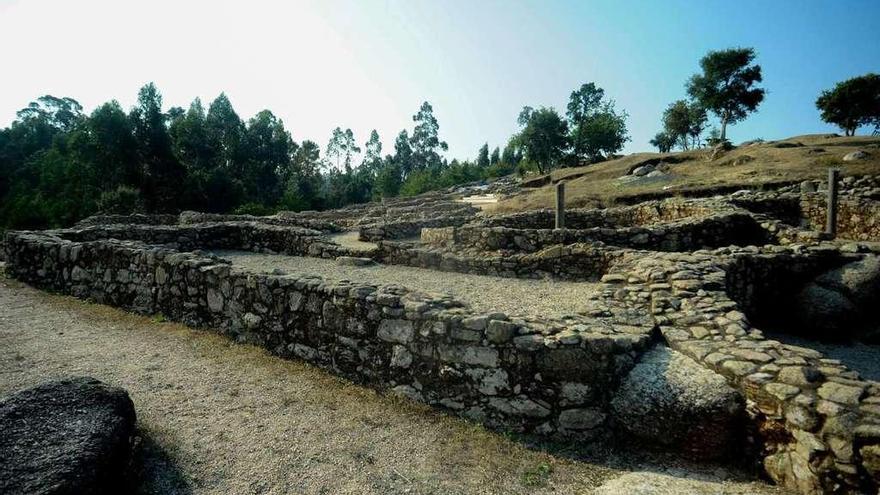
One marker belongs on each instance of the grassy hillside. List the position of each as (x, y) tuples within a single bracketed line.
[(749, 165)]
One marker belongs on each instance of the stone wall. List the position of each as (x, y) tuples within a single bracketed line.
[(407, 228), (135, 219), (815, 425), (643, 214), (574, 262), (286, 219), (685, 235), (250, 236), (858, 218), (548, 378)]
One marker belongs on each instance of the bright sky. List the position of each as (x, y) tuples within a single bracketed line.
[(368, 64)]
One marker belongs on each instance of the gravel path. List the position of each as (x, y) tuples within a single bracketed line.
[(516, 297), (220, 418)]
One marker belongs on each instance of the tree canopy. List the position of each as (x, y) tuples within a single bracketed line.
[(544, 137), (726, 85), (58, 165), (597, 128), (852, 103)]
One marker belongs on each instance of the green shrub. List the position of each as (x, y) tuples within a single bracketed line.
[(121, 201)]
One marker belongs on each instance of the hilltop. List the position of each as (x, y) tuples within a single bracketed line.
[(751, 165)]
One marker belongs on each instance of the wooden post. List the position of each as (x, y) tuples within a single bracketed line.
[(831, 220), (560, 205)]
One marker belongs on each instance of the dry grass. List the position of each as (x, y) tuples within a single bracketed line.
[(219, 418), (596, 185)]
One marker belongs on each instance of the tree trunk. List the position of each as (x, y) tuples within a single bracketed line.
[(724, 126)]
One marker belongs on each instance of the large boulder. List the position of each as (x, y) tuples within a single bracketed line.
[(840, 303), (859, 280), (65, 437), (671, 401), (856, 156), (824, 313)]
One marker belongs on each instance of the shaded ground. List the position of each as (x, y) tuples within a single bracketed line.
[(219, 418), (518, 297)]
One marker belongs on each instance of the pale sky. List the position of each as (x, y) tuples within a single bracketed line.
[(370, 63)]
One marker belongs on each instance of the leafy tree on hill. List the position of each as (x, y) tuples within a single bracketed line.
[(403, 154), (164, 175), (388, 180), (269, 151), (425, 140), (698, 121), (496, 156), (664, 141), (726, 85), (597, 129), (225, 133), (372, 154), (512, 153), (852, 103), (543, 137), (677, 122), (483, 156)]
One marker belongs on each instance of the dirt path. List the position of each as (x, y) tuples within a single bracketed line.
[(220, 418)]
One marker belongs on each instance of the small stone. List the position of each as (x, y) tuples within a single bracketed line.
[(739, 368), (799, 375), (354, 261), (781, 391), (475, 322), (500, 332), (398, 331), (841, 394), (252, 321), (401, 357), (581, 419)]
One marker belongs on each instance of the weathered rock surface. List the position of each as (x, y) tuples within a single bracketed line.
[(65, 437), (671, 400), (840, 303), (855, 156)]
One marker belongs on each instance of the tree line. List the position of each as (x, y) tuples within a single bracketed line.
[(58, 165)]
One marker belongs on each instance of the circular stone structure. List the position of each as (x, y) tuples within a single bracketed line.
[(65, 437)]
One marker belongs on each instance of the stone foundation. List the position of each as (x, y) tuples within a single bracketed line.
[(548, 378)]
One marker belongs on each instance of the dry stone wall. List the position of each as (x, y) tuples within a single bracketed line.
[(407, 228), (815, 423), (549, 378), (857, 218), (575, 262), (685, 235), (643, 214)]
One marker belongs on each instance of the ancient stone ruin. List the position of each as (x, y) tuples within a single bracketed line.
[(665, 349)]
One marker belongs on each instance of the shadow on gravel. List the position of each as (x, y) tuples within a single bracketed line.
[(153, 471)]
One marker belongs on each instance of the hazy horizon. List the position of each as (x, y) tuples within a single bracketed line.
[(365, 65)]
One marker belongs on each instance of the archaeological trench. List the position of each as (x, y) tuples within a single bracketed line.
[(640, 324)]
